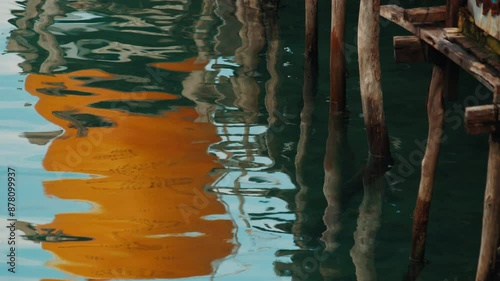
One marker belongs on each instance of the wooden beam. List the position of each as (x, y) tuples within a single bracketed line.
[(435, 36), (435, 111), (408, 49), (491, 213), (481, 119), (481, 114), (425, 14), (452, 7)]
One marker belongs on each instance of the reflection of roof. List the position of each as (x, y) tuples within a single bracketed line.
[(149, 203)]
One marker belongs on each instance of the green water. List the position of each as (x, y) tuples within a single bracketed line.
[(265, 216)]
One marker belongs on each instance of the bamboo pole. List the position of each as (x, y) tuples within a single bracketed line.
[(491, 213), (435, 111), (337, 57), (369, 70)]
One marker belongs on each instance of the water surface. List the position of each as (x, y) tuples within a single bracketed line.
[(162, 139)]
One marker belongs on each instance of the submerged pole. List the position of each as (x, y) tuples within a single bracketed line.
[(337, 58), (491, 214), (435, 112), (369, 71)]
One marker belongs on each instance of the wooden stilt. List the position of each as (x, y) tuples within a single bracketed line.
[(311, 52), (369, 70), (451, 69), (491, 213), (435, 111), (310, 63), (337, 58)]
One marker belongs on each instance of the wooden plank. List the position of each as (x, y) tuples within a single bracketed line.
[(478, 50), (464, 41), (425, 14), (408, 49), (434, 35)]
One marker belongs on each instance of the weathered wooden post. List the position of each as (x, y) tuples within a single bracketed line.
[(443, 84), (369, 71), (435, 113), (337, 58), (311, 53), (451, 69), (491, 213), (362, 252)]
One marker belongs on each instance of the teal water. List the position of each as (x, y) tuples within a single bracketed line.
[(221, 135)]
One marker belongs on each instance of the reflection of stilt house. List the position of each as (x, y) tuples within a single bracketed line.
[(148, 200), (79, 100)]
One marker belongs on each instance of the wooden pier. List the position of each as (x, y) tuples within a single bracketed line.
[(450, 37), (430, 35)]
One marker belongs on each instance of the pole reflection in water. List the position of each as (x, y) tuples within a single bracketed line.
[(368, 224), (224, 85)]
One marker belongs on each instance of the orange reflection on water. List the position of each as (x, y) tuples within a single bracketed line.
[(149, 210)]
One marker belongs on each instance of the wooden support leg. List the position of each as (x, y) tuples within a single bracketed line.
[(451, 69), (435, 111), (311, 30), (337, 58), (369, 70), (491, 213)]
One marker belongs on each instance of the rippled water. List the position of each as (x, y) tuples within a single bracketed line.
[(159, 139)]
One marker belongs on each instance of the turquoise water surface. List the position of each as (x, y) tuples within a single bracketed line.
[(162, 139)]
